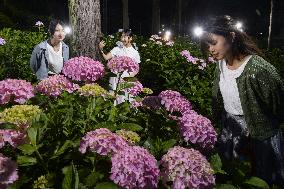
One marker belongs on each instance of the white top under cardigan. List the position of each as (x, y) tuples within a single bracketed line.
[(55, 60), (229, 88)]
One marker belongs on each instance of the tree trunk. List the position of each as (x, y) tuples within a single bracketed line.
[(156, 16), (85, 18), (125, 14), (179, 16), (270, 24)]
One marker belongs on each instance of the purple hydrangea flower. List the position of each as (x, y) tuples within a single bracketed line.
[(8, 171), (186, 168), (15, 90), (123, 63), (198, 130), (134, 168), (103, 142), (2, 41), (136, 89), (39, 24), (12, 137), (189, 58), (153, 102), (174, 102), (83, 69)]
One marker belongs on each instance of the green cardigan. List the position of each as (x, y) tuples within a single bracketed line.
[(261, 92)]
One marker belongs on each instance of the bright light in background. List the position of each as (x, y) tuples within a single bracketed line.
[(167, 35), (239, 26), (67, 30), (198, 31)]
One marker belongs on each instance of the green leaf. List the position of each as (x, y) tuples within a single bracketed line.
[(27, 149), (216, 164), (26, 160), (93, 178), (225, 186), (130, 79), (32, 133), (122, 86), (257, 183), (67, 181), (130, 126), (168, 144), (8, 126), (68, 144), (106, 185)]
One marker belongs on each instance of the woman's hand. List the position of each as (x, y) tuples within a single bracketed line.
[(102, 44)]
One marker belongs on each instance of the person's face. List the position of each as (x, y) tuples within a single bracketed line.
[(59, 33), (218, 47), (125, 39)]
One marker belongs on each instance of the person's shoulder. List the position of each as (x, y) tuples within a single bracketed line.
[(260, 66), (64, 45)]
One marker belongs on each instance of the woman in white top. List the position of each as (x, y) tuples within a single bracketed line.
[(124, 48), (48, 56)]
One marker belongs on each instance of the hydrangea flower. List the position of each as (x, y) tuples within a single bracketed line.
[(198, 130), (134, 168), (12, 137), (211, 59), (159, 43), (2, 41), (54, 85), (174, 102), (8, 171), (136, 104), (189, 58), (102, 141), (186, 168), (39, 24), (153, 102), (129, 136), (136, 89), (92, 89), (15, 90), (83, 69), (123, 63), (21, 115), (170, 43)]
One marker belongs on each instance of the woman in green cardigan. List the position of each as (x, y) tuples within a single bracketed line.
[(248, 99)]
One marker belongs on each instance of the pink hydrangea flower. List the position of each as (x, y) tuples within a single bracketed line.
[(136, 89), (8, 171), (39, 24), (189, 58), (170, 43), (15, 90), (211, 59), (135, 104), (12, 137), (103, 142), (2, 41), (123, 63), (198, 130), (174, 101), (186, 168), (54, 85), (134, 168), (83, 69)]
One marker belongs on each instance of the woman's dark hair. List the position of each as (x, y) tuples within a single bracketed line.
[(241, 43), (128, 32), (52, 25)]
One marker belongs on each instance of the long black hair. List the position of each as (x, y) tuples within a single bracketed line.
[(241, 43)]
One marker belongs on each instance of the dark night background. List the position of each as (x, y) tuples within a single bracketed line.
[(254, 14)]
